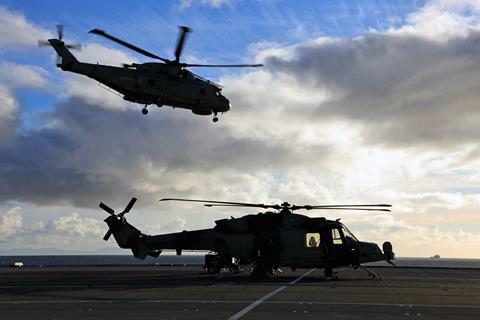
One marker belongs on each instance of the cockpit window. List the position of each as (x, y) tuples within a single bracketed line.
[(312, 240), (347, 233), (336, 237)]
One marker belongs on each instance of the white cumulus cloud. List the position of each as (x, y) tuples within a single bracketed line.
[(11, 222)]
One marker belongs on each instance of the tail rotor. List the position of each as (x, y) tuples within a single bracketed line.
[(58, 42), (113, 218)]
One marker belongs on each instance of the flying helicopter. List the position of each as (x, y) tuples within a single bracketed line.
[(162, 83), (262, 242)]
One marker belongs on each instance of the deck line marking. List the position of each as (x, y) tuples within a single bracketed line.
[(251, 306), (333, 303)]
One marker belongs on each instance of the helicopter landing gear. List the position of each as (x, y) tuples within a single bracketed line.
[(213, 264), (145, 110), (329, 274), (260, 270), (215, 118), (373, 275)]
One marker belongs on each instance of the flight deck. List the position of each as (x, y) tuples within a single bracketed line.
[(160, 292)]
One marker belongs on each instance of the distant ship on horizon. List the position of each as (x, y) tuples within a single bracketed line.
[(437, 256)]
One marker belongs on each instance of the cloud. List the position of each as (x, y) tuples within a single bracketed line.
[(391, 87), (418, 240), (440, 20), (21, 33), (90, 153), (8, 108), (68, 231), (15, 75), (76, 225), (10, 223), (212, 3)]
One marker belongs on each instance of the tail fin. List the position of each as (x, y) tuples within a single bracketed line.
[(126, 235), (67, 58)]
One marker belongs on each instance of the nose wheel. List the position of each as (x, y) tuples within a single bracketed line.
[(145, 110), (215, 118)]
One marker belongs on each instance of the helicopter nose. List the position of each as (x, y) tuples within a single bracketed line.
[(369, 252)]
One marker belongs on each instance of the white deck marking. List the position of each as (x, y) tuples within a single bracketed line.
[(326, 303), (251, 306)]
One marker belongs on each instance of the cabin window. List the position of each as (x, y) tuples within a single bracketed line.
[(312, 240), (202, 91), (336, 237)]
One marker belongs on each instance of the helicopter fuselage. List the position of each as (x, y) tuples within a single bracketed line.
[(275, 239), (158, 84)]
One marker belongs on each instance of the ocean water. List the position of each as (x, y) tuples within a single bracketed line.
[(197, 260), (99, 260)]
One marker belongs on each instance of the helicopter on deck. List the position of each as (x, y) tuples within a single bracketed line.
[(261, 242), (159, 83)]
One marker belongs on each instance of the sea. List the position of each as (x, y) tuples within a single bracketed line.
[(197, 260)]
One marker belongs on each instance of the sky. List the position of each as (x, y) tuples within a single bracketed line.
[(358, 102)]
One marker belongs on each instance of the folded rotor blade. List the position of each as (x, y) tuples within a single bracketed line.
[(128, 207), (180, 42), (106, 208), (222, 65), (128, 45), (107, 235)]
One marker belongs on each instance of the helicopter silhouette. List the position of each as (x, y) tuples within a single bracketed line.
[(262, 242), (162, 83)]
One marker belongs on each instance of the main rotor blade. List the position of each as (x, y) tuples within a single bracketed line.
[(344, 206), (60, 31), (308, 207), (43, 43), (264, 206), (128, 45), (222, 65), (260, 205), (74, 46), (180, 42), (106, 208), (339, 208), (293, 208)]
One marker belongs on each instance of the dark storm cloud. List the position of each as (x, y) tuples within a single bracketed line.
[(87, 154), (406, 90)]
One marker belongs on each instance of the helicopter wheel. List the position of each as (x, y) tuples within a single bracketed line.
[(145, 110), (214, 269), (215, 118), (328, 272)]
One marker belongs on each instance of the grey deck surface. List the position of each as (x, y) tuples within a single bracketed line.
[(189, 293)]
